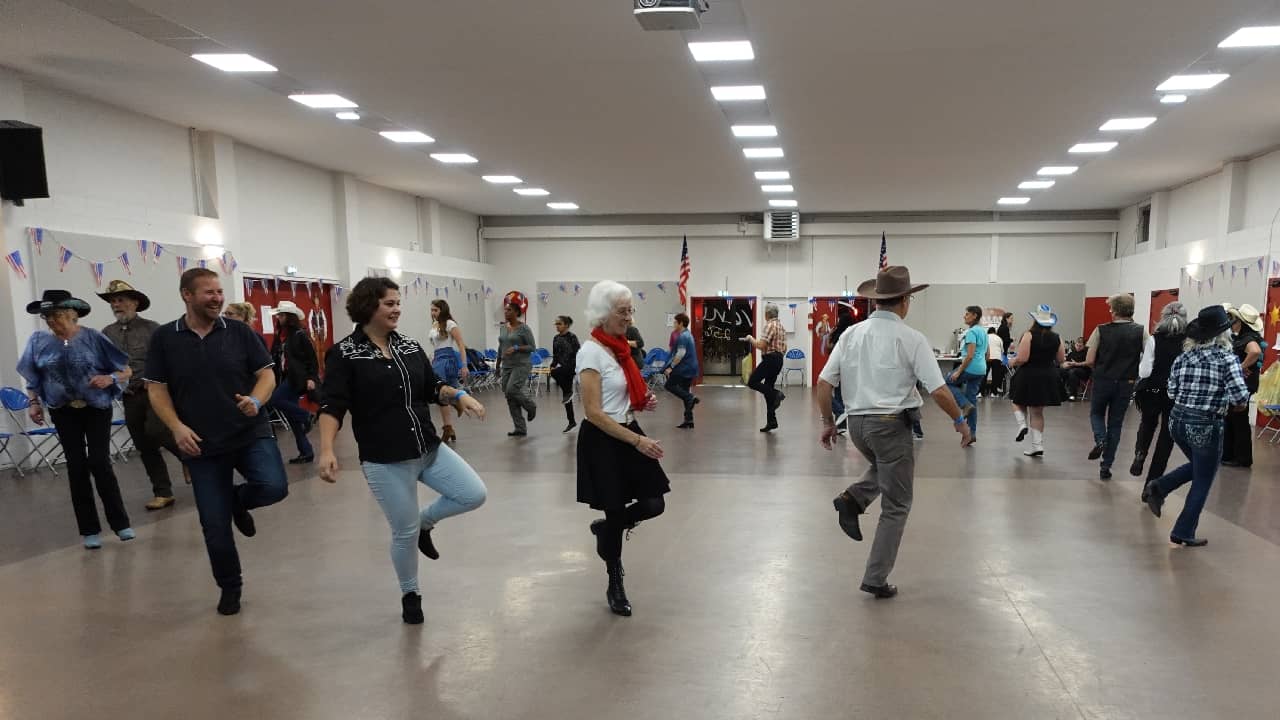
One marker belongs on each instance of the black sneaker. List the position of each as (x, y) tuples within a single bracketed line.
[(411, 609), (302, 460), (425, 546), (1096, 452), (1104, 473), (229, 603), (243, 520)]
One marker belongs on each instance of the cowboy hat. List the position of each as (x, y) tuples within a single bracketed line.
[(1210, 323), (120, 287), (58, 300), (1248, 316), (288, 306), (891, 282), (1044, 316)]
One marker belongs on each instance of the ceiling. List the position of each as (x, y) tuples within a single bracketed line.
[(911, 105)]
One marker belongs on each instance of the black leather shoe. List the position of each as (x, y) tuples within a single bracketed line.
[(884, 592), (533, 412), (687, 425), (1022, 434), (1104, 473), (616, 594), (243, 520), (848, 509), (425, 546), (770, 426), (781, 396), (1153, 499), (697, 400), (517, 433), (1096, 452), (570, 426), (411, 609), (1188, 542), (1136, 468), (302, 460), (229, 603)]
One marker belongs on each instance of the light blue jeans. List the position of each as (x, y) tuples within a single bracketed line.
[(395, 487)]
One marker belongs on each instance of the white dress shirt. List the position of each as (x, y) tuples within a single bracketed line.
[(877, 364)]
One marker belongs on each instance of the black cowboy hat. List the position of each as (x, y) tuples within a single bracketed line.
[(120, 287), (1210, 323), (58, 300)]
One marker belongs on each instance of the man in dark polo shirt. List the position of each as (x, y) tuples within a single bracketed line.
[(1115, 350), (208, 380)]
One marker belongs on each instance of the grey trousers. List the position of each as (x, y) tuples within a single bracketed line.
[(515, 384), (886, 443)]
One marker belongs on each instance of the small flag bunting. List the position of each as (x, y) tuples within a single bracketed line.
[(64, 257), (15, 261), (143, 246), (124, 262), (182, 263)]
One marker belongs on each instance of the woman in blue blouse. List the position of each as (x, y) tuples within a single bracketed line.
[(77, 373)]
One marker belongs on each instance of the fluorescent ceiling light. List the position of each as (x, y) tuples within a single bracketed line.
[(531, 191), (1089, 148), (773, 175), (783, 203), (762, 152), (1057, 170), (1174, 99), (1013, 201), (754, 131), (562, 205), (348, 116), (722, 51), (1253, 37), (1134, 123), (1035, 184), (322, 100), (1192, 82), (502, 179), (454, 158), (734, 93), (776, 188), (407, 136), (234, 62)]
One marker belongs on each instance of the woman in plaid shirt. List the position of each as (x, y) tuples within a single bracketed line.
[(1204, 384)]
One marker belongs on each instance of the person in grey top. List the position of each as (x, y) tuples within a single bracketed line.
[(515, 346), (132, 334)]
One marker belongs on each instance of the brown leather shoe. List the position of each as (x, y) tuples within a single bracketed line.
[(159, 503)]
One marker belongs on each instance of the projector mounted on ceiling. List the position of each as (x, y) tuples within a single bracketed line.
[(669, 14)]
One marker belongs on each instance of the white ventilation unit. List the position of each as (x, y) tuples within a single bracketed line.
[(669, 14), (782, 226)]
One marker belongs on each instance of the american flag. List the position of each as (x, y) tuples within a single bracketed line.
[(884, 253), (683, 285)]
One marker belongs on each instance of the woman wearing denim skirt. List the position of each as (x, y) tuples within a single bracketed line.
[(448, 359), (386, 382), (1206, 381)]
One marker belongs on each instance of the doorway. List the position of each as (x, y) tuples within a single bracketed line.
[(822, 322), (719, 324), (1159, 299)]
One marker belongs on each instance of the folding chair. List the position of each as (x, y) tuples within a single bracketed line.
[(1273, 423), (120, 448), (16, 404), (793, 362), (652, 373), (4, 448)]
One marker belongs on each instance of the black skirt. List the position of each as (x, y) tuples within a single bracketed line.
[(1036, 386), (612, 473)]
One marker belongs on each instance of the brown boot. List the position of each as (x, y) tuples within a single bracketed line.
[(159, 503), (448, 435)]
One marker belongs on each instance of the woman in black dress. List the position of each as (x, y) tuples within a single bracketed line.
[(1035, 385)]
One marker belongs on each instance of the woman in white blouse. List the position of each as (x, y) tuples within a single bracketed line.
[(448, 359)]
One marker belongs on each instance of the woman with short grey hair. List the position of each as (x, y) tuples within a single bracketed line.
[(1152, 393), (618, 470)]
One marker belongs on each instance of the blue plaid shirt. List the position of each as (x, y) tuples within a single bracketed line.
[(1208, 379)]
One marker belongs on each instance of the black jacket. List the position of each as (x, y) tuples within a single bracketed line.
[(564, 352), (296, 361)]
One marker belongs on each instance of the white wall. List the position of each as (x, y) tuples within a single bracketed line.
[(387, 217), (1193, 211), (458, 237), (1262, 193), (287, 215)]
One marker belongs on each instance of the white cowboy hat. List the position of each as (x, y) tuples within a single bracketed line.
[(1248, 316), (1044, 316), (288, 306)]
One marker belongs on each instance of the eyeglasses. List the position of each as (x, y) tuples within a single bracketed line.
[(624, 312)]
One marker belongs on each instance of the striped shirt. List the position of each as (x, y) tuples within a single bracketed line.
[(774, 337), (1207, 378)]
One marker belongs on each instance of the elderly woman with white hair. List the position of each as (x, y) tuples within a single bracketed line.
[(618, 470), (1152, 392), (1204, 384), (773, 344)]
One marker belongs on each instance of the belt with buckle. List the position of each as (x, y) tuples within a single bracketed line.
[(78, 404)]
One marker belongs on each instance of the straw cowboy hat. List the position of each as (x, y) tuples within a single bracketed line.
[(122, 288), (1248, 316), (1044, 316), (892, 282), (288, 306), (58, 300)]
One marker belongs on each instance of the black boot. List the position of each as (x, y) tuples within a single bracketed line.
[(617, 594), (411, 609), (1136, 468), (596, 527)]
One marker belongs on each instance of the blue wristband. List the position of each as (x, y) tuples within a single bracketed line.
[(459, 395), (256, 405), (960, 420)]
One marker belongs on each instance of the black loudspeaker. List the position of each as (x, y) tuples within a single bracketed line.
[(22, 173)]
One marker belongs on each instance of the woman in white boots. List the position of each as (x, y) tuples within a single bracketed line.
[(1035, 385)]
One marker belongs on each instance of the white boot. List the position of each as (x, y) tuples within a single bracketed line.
[(1037, 444), (1021, 417)]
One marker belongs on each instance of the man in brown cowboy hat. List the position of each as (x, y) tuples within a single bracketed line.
[(132, 334), (877, 364)]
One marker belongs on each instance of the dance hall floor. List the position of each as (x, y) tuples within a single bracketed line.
[(1029, 590)]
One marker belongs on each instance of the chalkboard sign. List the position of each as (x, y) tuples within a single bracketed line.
[(724, 324)]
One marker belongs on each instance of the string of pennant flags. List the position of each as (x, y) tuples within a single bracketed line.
[(148, 252), (1235, 271)]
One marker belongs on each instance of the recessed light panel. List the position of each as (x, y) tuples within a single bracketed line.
[(234, 62), (1253, 37), (1173, 99), (533, 192), (562, 206), (1134, 123), (1092, 148), (407, 136), (1191, 82), (737, 93), (776, 188), (773, 175), (1013, 201), (1057, 170), (762, 152), (454, 158), (347, 116), (322, 100), (1035, 185), (722, 51), (754, 131), (783, 203), (502, 179)]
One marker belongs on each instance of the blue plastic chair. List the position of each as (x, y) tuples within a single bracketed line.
[(4, 448), (793, 362), (15, 401)]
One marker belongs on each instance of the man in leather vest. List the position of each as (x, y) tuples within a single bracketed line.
[(1115, 350)]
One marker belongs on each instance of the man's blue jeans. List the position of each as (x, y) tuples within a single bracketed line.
[(1107, 407), (1199, 435), (218, 498), (965, 391)]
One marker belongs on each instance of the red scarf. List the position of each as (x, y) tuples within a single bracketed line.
[(636, 386)]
